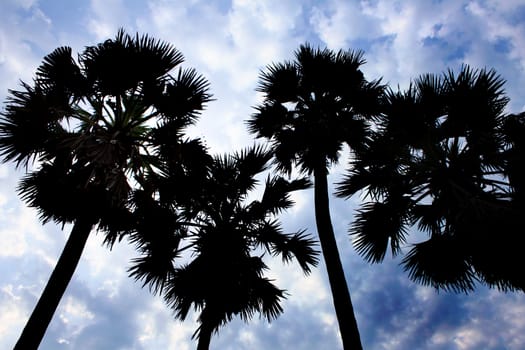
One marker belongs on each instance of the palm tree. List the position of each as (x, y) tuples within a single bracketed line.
[(93, 130), (312, 107), (444, 158), (227, 236)]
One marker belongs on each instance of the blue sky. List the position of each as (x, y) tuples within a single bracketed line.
[(230, 42)]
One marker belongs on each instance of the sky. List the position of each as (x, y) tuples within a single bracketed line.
[(229, 42)]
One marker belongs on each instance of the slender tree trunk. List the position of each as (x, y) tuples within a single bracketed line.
[(340, 294), (39, 320), (205, 332)]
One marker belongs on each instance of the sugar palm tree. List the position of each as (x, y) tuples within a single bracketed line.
[(312, 107), (95, 129), (441, 160), (227, 235)]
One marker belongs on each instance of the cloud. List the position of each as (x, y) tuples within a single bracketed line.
[(229, 46), (340, 22), (405, 39), (106, 17), (11, 315), (24, 33), (229, 42)]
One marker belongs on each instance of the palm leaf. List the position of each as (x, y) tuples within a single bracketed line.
[(376, 225), (280, 82), (117, 65), (30, 125), (269, 120), (441, 263), (301, 246), (185, 97), (276, 196), (60, 73)]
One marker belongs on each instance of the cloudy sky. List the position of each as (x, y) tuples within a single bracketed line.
[(230, 42)]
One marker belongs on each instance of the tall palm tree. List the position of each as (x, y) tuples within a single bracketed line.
[(225, 236), (312, 107), (95, 129), (444, 159)]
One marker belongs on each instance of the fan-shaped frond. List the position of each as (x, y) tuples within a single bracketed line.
[(60, 73), (442, 263), (269, 120), (119, 64), (30, 124), (250, 162), (376, 225), (301, 246), (185, 97), (276, 196), (280, 82), (154, 57), (63, 196)]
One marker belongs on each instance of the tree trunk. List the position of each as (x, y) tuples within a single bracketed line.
[(39, 320), (341, 297), (205, 331)]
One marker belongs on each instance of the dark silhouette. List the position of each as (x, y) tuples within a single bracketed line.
[(446, 159), (312, 107), (217, 233), (97, 128)]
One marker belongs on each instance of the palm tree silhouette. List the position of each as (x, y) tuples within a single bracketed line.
[(312, 107), (227, 235), (444, 159), (96, 129)]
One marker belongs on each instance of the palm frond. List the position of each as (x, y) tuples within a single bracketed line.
[(116, 223), (376, 225), (269, 119), (429, 217), (482, 90), (268, 233), (302, 247), (184, 289), (251, 161), (60, 73), (354, 180), (119, 64), (269, 299), (109, 66), (287, 149), (276, 196), (157, 235), (280, 82), (30, 124), (62, 196), (155, 58), (441, 263), (153, 269), (185, 97)]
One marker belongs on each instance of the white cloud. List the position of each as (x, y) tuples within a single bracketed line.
[(405, 39), (75, 315), (339, 22), (25, 36), (11, 314), (106, 17), (229, 46), (25, 4), (19, 228), (229, 42)]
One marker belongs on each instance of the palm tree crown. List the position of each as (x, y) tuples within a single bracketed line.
[(440, 160), (313, 106), (101, 123), (223, 229)]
